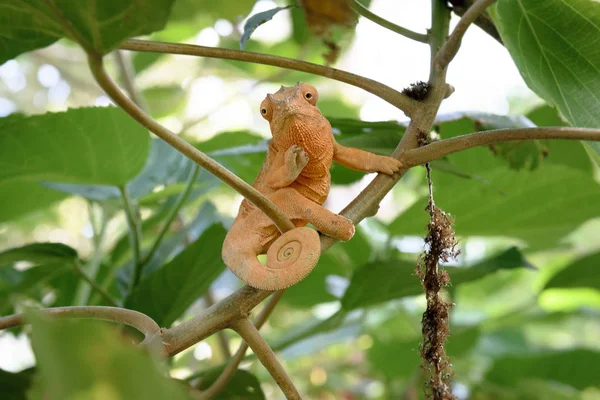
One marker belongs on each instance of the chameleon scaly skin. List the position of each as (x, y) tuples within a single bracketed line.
[(295, 176)]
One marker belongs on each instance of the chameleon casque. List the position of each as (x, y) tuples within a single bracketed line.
[(295, 177)]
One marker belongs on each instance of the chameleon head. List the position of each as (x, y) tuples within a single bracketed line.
[(294, 102)]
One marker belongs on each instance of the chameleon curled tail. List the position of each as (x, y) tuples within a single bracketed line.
[(289, 259)]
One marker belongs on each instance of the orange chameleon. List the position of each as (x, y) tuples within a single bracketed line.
[(295, 177)]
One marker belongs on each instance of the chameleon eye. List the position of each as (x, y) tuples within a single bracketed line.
[(308, 96), (264, 111)]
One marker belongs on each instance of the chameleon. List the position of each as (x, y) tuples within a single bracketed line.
[(295, 177)]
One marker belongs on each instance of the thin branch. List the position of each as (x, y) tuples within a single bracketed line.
[(386, 93), (173, 213), (440, 24), (450, 48), (280, 220), (135, 319), (127, 74), (365, 12), (234, 363), (79, 271), (444, 147), (484, 21), (250, 334), (134, 239)]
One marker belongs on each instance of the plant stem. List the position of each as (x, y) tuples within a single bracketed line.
[(234, 363), (134, 239), (173, 213), (250, 334), (280, 220), (221, 338), (128, 78), (135, 319), (440, 24), (386, 93), (445, 147), (93, 284), (365, 12), (82, 295)]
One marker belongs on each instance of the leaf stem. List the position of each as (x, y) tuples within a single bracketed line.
[(386, 93), (365, 12), (281, 221), (79, 271), (173, 213), (250, 334), (134, 239), (128, 79)]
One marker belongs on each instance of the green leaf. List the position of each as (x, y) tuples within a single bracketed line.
[(539, 207), (242, 385), (175, 286), (85, 145), (582, 273), (257, 20), (572, 367), (377, 282), (14, 386), (100, 26), (39, 253), (552, 44), (97, 363), (21, 196), (396, 359)]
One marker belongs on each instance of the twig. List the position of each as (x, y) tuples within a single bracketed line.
[(282, 222), (134, 239), (79, 271), (135, 319), (440, 24), (128, 78), (386, 93), (234, 363), (450, 48), (173, 214), (444, 147), (484, 21), (365, 12), (250, 334)]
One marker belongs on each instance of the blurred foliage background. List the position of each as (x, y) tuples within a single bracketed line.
[(526, 321)]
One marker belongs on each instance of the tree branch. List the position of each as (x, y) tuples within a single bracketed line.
[(484, 21), (234, 363), (450, 48), (386, 93), (365, 12), (280, 220), (444, 147), (250, 334), (137, 320)]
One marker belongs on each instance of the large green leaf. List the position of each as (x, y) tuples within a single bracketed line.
[(39, 253), (573, 367), (539, 207), (21, 196), (166, 293), (242, 385), (27, 25), (377, 282), (584, 272), (85, 145), (554, 44), (84, 360)]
